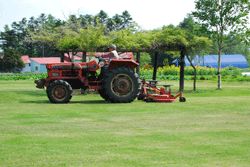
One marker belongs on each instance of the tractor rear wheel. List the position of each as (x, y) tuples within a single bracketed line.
[(59, 91), (121, 85)]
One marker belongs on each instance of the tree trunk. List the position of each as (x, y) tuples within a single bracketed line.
[(138, 59), (62, 57), (84, 56), (220, 46), (43, 50), (195, 79), (155, 65), (219, 69), (195, 73), (182, 64)]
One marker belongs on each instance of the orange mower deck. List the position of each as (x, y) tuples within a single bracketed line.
[(150, 93)]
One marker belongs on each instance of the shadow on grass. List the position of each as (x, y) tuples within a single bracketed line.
[(31, 93), (90, 102), (35, 101), (71, 102)]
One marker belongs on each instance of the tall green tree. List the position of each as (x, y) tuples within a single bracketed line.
[(87, 39), (19, 35), (235, 45), (199, 43), (101, 17), (222, 17), (11, 61), (120, 22)]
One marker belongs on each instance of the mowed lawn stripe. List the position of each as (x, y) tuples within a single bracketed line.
[(211, 129)]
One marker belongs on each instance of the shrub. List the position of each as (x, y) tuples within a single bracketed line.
[(203, 73), (22, 76), (231, 71), (163, 73), (168, 70)]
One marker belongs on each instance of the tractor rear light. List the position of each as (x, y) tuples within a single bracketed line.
[(55, 74)]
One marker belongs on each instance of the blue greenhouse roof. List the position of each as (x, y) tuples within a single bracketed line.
[(235, 60)]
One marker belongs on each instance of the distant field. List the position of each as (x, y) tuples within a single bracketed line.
[(211, 129)]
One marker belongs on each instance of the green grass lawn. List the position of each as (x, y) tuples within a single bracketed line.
[(211, 129)]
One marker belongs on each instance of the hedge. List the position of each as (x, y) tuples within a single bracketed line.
[(163, 73)]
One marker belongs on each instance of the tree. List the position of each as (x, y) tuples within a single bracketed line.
[(69, 41), (102, 17), (199, 43), (235, 45), (11, 61), (197, 46), (42, 38), (87, 39), (45, 35), (145, 59), (19, 35), (193, 27), (120, 22), (92, 38), (73, 23), (124, 39), (222, 17)]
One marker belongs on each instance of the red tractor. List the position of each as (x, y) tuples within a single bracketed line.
[(114, 79)]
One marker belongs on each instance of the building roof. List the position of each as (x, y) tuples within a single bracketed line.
[(235, 60), (46, 60), (25, 59)]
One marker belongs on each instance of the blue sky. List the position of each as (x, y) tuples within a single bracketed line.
[(149, 14)]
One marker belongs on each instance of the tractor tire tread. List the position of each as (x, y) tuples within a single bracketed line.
[(107, 81), (63, 83)]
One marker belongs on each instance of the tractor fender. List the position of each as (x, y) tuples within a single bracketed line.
[(122, 62)]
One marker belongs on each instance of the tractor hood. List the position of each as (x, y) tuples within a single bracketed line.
[(64, 66)]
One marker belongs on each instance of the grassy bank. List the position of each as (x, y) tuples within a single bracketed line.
[(211, 129)]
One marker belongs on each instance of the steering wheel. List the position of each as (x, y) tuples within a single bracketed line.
[(101, 61)]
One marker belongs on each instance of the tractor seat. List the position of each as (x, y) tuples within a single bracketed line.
[(166, 86), (153, 83)]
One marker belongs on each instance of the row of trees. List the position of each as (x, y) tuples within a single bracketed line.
[(19, 35), (216, 26), (227, 22), (33, 36)]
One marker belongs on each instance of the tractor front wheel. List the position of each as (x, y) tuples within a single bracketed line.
[(103, 94), (59, 91)]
